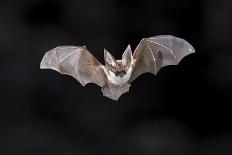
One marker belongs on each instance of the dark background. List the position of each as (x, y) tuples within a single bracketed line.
[(185, 109)]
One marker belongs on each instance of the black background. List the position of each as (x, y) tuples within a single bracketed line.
[(185, 109)]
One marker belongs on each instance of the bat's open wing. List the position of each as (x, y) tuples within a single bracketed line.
[(75, 61), (156, 52)]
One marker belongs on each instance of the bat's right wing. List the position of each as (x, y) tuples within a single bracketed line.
[(154, 53), (75, 61)]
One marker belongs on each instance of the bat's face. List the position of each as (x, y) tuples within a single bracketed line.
[(119, 70)]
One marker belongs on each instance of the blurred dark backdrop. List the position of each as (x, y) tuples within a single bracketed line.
[(185, 109)]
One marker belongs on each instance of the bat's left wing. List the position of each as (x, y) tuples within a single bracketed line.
[(154, 53), (75, 61)]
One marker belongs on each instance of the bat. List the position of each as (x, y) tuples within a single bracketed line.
[(116, 76)]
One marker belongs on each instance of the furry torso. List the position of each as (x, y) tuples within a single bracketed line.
[(116, 80), (116, 86)]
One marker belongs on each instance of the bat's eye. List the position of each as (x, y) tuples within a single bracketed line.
[(117, 73), (112, 68)]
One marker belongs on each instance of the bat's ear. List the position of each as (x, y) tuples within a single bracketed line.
[(127, 56), (109, 59)]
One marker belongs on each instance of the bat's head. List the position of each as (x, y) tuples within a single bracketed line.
[(119, 67)]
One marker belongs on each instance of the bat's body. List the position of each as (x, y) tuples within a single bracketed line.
[(116, 76), (116, 80)]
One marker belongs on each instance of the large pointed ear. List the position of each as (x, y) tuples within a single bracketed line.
[(109, 59), (127, 56)]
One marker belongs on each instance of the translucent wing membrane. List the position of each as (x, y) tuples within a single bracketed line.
[(75, 61), (156, 52)]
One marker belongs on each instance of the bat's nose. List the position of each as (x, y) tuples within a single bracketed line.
[(121, 75)]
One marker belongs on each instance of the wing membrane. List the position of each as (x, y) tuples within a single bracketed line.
[(75, 61), (154, 53)]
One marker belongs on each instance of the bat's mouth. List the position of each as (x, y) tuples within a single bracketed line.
[(120, 73)]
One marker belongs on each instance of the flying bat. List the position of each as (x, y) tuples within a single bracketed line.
[(116, 76)]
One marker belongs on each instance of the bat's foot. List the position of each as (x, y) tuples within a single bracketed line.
[(113, 91)]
